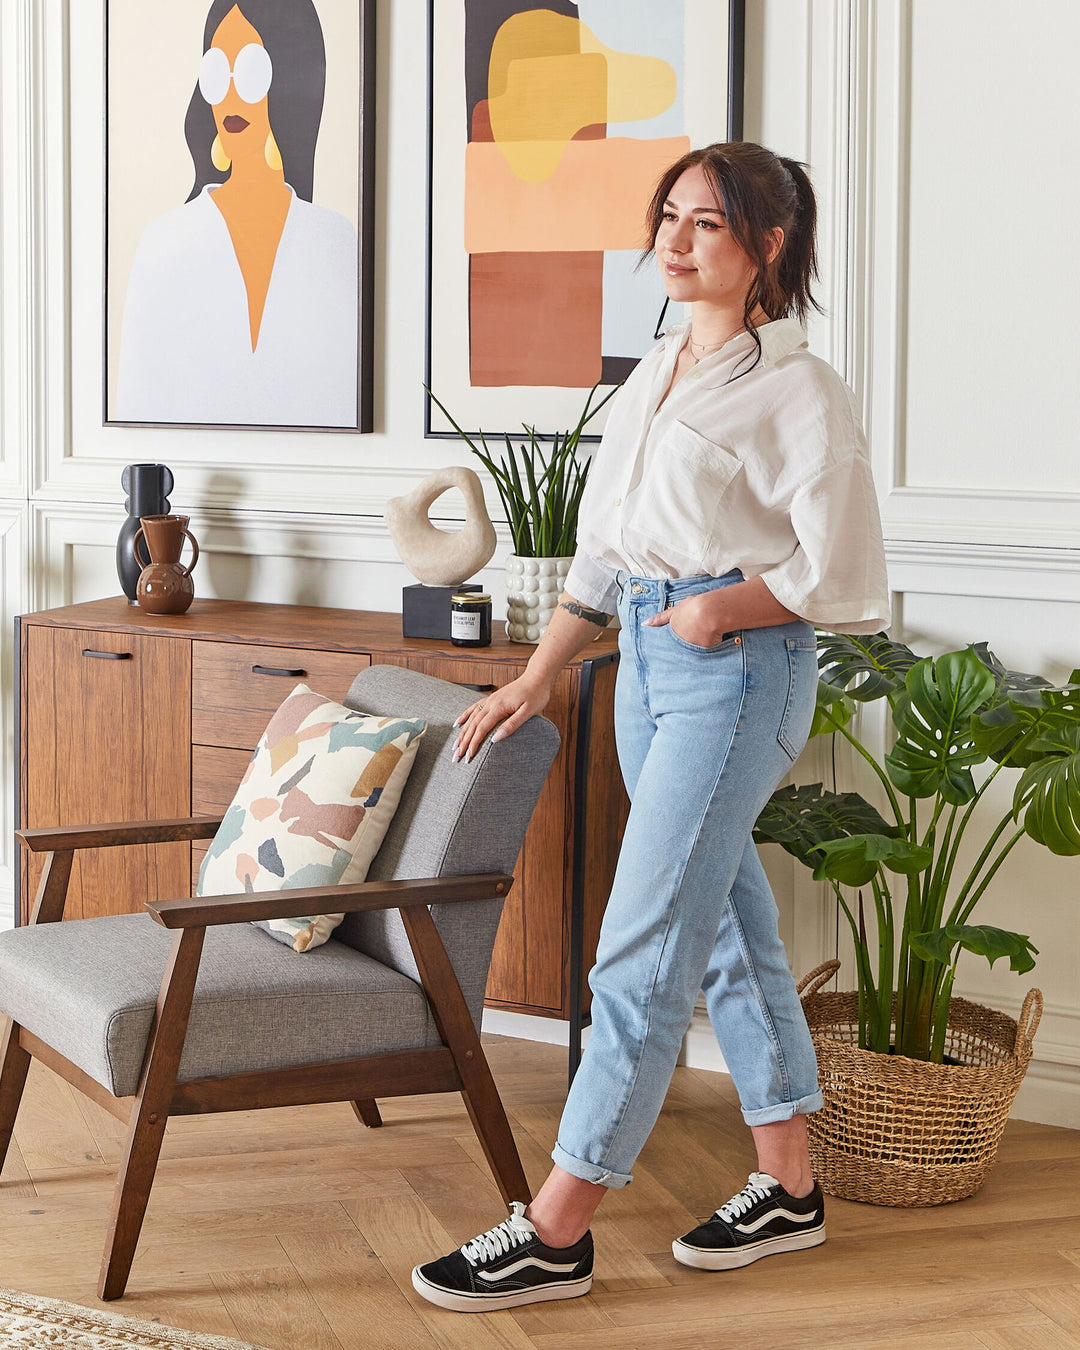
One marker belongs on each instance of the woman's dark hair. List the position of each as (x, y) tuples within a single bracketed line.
[(758, 191), (293, 37)]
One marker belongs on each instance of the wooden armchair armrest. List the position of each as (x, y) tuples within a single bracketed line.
[(205, 911), (61, 838)]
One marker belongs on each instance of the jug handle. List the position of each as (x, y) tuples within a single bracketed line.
[(194, 554), (135, 547)]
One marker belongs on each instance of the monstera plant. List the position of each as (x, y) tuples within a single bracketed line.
[(952, 714)]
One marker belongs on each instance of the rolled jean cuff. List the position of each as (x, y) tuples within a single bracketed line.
[(768, 1115), (587, 1171)]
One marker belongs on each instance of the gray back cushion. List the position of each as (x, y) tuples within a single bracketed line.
[(453, 820)]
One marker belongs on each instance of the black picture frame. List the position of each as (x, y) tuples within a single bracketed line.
[(734, 111)]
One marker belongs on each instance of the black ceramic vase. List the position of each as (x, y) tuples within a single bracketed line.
[(147, 487)]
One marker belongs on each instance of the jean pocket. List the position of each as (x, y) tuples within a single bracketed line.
[(801, 696), (732, 640)]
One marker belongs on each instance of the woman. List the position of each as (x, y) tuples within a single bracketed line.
[(241, 305), (731, 509)]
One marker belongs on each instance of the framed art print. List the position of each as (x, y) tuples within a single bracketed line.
[(238, 213), (549, 128)]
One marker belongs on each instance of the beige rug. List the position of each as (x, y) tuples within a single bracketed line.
[(28, 1320)]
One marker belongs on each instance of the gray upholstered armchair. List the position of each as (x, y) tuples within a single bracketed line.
[(190, 1009)]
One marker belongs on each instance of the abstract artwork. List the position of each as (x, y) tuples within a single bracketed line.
[(238, 213), (550, 126)]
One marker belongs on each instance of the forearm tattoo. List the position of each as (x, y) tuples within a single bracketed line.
[(593, 615)]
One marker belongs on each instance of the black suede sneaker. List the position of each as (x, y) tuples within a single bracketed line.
[(506, 1267), (760, 1221)]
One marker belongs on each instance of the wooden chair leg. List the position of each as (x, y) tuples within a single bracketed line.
[(367, 1111), (455, 1024), (129, 1200), (14, 1063), (150, 1112)]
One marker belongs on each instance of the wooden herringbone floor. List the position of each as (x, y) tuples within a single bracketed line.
[(297, 1229)]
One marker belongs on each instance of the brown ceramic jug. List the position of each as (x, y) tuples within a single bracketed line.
[(165, 585)]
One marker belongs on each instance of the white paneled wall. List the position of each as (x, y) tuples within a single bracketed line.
[(948, 279), (940, 138)]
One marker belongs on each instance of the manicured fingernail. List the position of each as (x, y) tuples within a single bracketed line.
[(468, 757), (456, 755), (499, 735)]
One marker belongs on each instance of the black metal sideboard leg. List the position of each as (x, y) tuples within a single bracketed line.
[(577, 869)]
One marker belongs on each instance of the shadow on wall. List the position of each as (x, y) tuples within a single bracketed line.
[(226, 571)]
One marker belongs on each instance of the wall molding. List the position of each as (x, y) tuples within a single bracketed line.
[(12, 592)]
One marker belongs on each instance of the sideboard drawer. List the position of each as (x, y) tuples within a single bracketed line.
[(236, 687)]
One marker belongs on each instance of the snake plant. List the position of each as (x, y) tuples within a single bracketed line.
[(951, 714), (540, 494)]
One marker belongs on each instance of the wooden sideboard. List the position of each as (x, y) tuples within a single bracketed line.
[(125, 715)]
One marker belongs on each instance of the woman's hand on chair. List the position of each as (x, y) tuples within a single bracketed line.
[(501, 712)]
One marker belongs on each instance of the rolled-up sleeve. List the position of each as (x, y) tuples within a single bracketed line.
[(836, 577), (593, 584)]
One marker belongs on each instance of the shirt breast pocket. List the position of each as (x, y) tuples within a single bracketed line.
[(680, 494)]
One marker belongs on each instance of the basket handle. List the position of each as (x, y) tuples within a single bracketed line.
[(1028, 1022), (819, 976)]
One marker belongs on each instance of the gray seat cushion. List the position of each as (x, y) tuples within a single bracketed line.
[(88, 989)]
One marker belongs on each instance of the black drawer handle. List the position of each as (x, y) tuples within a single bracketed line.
[(107, 656), (480, 688), (276, 670)]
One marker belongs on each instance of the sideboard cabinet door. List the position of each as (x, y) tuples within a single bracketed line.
[(107, 737)]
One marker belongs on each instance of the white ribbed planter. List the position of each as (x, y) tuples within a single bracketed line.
[(533, 587)]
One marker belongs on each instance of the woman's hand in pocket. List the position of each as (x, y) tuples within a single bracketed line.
[(696, 620)]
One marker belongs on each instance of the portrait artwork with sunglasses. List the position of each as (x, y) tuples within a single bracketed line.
[(237, 303)]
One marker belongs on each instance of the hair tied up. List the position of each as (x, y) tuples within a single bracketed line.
[(760, 192)]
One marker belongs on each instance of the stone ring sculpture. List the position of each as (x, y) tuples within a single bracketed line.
[(442, 557)]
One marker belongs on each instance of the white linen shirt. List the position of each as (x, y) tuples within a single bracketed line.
[(766, 472)]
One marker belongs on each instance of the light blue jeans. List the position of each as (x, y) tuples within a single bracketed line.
[(704, 735)]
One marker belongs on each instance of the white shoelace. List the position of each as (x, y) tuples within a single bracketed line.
[(512, 1232), (757, 1188)]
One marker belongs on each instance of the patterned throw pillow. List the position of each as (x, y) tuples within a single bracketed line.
[(312, 808)]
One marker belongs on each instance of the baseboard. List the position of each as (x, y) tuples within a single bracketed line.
[(1049, 1094), (699, 1047), (523, 1026)]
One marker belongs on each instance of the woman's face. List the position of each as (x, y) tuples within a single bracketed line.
[(697, 257), (236, 68)]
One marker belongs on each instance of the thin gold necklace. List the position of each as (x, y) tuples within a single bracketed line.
[(707, 347)]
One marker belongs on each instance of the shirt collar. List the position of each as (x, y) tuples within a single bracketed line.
[(779, 338)]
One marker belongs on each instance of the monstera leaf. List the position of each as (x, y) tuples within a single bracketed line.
[(1050, 787), (982, 939), (1007, 681), (935, 747), (854, 860), (800, 819), (1005, 730), (877, 662), (834, 709)]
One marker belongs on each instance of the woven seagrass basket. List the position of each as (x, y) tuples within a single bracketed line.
[(900, 1131)]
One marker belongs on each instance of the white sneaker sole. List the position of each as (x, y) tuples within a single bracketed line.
[(459, 1302), (737, 1257)]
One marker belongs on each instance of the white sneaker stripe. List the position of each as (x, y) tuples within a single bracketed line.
[(772, 1214), (524, 1264)]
